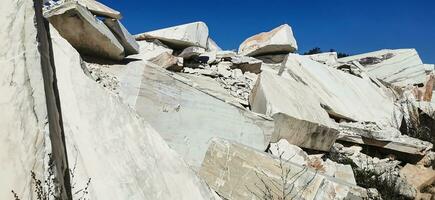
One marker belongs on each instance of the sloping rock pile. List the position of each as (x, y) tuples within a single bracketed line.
[(168, 114)]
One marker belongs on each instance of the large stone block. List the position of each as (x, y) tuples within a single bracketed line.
[(180, 37), (108, 142), (124, 37), (188, 112), (343, 96), (399, 67), (238, 172), (303, 133), (277, 41), (274, 94), (85, 32)]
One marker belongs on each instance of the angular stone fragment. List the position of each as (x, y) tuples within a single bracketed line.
[(418, 176), (342, 95), (247, 64), (31, 121), (328, 58), (212, 46), (188, 112), (124, 37), (303, 133), (151, 49), (180, 37), (100, 9), (85, 32), (273, 94), (278, 40), (383, 137), (121, 153), (238, 172), (283, 149), (399, 67), (169, 62), (190, 52)]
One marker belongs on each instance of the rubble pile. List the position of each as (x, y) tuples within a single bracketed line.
[(168, 114)]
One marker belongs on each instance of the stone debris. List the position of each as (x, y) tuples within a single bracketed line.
[(84, 31), (179, 37), (276, 41), (236, 171), (130, 45), (103, 78), (190, 52), (384, 172), (288, 152)]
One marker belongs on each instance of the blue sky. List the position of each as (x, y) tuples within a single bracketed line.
[(346, 25)]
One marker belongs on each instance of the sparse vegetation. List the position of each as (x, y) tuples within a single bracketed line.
[(50, 189), (284, 189), (317, 50)]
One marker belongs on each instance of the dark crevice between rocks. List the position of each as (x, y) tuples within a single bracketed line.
[(54, 112)]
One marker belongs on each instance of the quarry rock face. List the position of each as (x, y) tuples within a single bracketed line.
[(31, 123), (278, 40), (85, 32), (182, 36), (142, 166)]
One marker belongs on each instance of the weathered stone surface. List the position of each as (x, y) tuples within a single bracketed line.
[(100, 9), (150, 50), (303, 133), (425, 93), (190, 52), (273, 94), (187, 112), (286, 151), (247, 64), (121, 153), (328, 58), (278, 40), (169, 62), (180, 37), (236, 171), (85, 32), (383, 137), (212, 45), (31, 124), (399, 67), (343, 96), (418, 176), (124, 37)]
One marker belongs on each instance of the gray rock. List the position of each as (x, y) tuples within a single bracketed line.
[(247, 64), (100, 9), (190, 52), (169, 62)]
